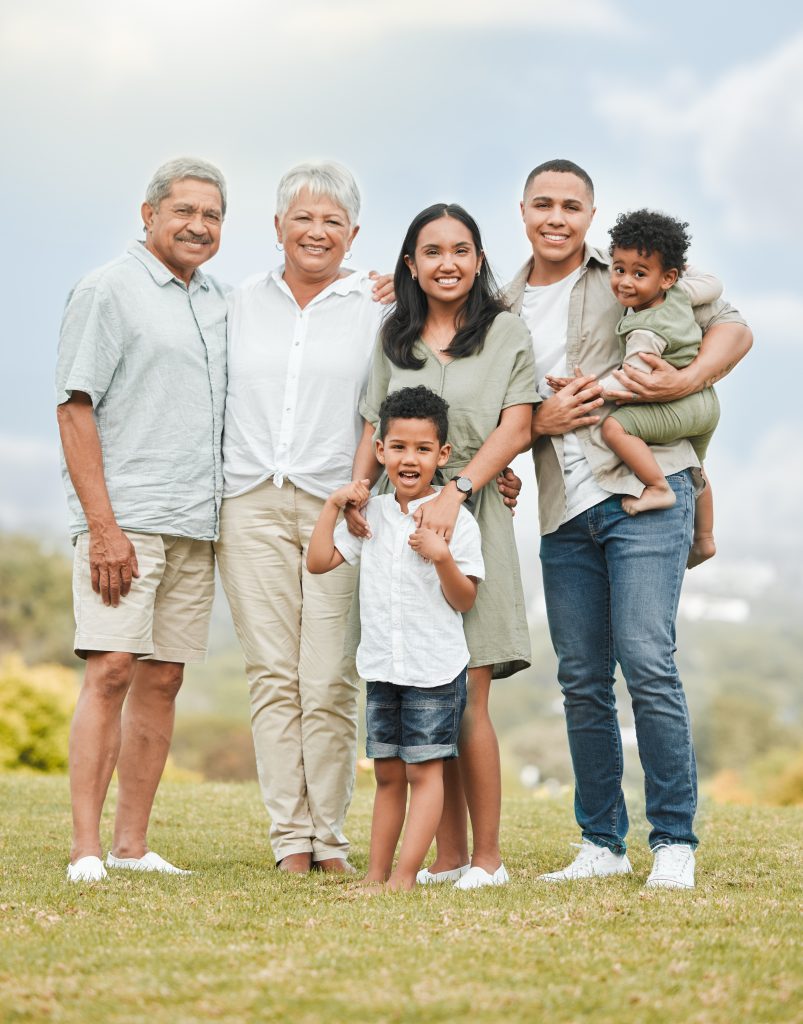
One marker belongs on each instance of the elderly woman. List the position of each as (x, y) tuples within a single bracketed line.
[(300, 341)]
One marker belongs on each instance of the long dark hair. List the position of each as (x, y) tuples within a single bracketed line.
[(404, 325)]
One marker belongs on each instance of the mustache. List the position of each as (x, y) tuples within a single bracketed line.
[(188, 236)]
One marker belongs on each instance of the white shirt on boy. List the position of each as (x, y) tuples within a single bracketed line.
[(411, 635)]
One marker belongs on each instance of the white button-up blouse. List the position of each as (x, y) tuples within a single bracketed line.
[(295, 381)]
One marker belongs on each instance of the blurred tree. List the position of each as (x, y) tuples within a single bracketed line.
[(35, 602)]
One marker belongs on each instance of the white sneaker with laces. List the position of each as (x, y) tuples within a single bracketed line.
[(591, 862), (150, 862), (478, 878), (672, 868), (86, 869), (427, 877)]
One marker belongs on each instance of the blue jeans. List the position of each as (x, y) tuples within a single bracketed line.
[(414, 723), (612, 584)]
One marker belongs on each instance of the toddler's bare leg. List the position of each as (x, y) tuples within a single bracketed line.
[(426, 807), (390, 803), (703, 546), (636, 454)]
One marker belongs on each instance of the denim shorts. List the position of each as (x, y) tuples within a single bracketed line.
[(415, 723)]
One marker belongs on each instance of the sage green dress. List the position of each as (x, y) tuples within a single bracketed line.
[(478, 388)]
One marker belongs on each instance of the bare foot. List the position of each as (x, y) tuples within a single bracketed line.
[(651, 497), (702, 548), (400, 884), (375, 884)]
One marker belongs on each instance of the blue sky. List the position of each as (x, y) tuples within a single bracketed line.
[(696, 109)]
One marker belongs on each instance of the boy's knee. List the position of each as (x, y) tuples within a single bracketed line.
[(389, 771), (423, 772)]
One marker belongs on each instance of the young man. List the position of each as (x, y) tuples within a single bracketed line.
[(413, 654), (611, 581)]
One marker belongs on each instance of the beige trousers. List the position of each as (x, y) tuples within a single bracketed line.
[(291, 626)]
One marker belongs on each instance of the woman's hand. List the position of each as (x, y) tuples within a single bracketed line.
[(440, 514), (509, 486), (352, 499), (383, 291)]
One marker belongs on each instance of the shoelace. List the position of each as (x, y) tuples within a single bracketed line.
[(587, 851), (670, 857)]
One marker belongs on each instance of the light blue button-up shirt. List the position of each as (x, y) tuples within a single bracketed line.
[(151, 354)]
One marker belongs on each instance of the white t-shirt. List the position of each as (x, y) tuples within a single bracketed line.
[(545, 310), (410, 634), (296, 377)]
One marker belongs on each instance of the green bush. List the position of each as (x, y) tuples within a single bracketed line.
[(36, 705)]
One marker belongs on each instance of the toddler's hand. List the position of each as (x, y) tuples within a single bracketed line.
[(430, 545)]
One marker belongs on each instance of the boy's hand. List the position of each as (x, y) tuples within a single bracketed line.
[(355, 494), (429, 544), (557, 383)]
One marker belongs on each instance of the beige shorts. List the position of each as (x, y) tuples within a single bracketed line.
[(165, 615)]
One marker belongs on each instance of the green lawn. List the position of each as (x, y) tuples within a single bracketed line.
[(239, 941)]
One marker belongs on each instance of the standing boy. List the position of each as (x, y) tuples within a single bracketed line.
[(414, 588)]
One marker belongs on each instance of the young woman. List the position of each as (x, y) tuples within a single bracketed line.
[(449, 332)]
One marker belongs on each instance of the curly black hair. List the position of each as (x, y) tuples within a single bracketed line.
[(648, 231), (415, 404)]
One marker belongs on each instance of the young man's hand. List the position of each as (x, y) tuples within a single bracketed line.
[(429, 545)]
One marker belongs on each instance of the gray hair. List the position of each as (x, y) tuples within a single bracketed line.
[(176, 170), (324, 178)]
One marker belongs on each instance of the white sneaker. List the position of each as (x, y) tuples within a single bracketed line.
[(427, 877), (591, 862), (150, 862), (477, 878), (86, 869), (672, 868)]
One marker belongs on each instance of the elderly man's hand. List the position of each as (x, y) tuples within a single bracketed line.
[(112, 563)]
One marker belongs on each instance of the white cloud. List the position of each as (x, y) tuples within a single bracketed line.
[(743, 136), (123, 42)]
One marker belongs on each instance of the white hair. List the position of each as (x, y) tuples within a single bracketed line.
[(177, 170), (324, 178)]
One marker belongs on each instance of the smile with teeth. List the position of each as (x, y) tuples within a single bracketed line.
[(554, 238), (409, 474), (447, 280), (315, 250)]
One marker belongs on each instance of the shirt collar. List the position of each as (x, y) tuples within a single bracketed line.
[(158, 271), (413, 505), (352, 282)]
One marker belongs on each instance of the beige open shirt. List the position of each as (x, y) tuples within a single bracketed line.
[(592, 344)]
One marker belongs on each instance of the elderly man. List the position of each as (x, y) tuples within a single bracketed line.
[(141, 382), (611, 580)]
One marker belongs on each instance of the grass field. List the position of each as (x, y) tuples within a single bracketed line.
[(239, 941)]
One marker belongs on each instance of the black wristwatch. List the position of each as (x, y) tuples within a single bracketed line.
[(464, 485)]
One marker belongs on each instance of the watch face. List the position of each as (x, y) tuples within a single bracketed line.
[(463, 484)]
